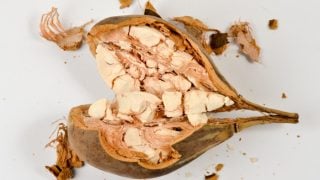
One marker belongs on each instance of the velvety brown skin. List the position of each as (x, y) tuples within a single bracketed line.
[(87, 144)]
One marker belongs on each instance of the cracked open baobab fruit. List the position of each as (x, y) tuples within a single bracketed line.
[(165, 85)]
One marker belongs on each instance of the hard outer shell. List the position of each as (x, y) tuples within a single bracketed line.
[(88, 145)]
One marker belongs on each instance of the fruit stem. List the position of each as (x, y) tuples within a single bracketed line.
[(252, 106), (243, 123)]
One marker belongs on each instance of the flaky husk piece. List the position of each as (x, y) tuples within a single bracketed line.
[(243, 37), (90, 145), (67, 159), (52, 30), (125, 3)]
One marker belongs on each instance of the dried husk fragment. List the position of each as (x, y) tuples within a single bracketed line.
[(212, 176), (219, 42), (243, 37), (90, 144), (219, 167), (52, 30), (67, 159), (273, 24), (284, 95), (150, 10), (125, 3)]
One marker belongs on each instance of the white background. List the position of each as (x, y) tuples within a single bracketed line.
[(37, 87)]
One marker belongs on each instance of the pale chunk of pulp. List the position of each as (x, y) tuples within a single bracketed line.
[(154, 83)]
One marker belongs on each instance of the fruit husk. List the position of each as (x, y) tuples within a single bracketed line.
[(219, 82), (89, 144)]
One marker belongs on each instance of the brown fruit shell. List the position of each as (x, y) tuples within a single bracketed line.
[(90, 145)]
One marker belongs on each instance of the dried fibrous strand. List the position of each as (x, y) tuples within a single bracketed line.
[(125, 3), (273, 24), (52, 30), (67, 159), (243, 37)]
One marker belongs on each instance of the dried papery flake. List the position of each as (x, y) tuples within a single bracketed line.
[(125, 3), (243, 37), (52, 30), (67, 159)]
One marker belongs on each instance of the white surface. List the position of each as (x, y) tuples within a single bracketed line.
[(37, 88)]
